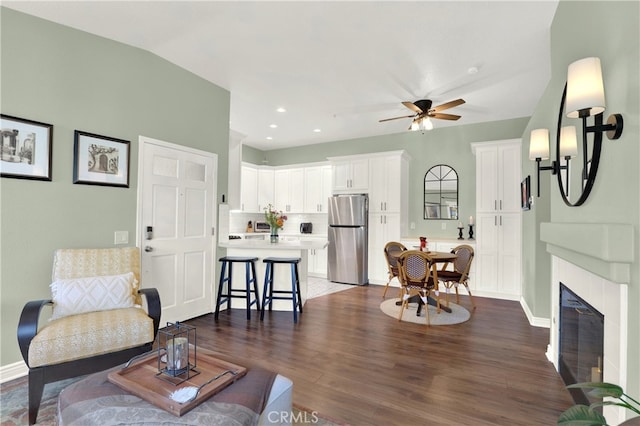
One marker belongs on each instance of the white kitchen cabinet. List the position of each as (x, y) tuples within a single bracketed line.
[(382, 229), (498, 228), (389, 182), (265, 187), (289, 190), (317, 183), (249, 189), (350, 174)]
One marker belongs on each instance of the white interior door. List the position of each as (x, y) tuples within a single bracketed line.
[(177, 191)]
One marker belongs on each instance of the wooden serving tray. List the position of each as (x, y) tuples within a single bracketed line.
[(141, 380)]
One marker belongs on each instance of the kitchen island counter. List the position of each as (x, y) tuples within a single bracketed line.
[(282, 273)]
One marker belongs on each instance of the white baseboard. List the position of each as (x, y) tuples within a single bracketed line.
[(13, 371), (534, 321)]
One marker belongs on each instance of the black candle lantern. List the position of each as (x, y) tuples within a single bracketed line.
[(177, 353)]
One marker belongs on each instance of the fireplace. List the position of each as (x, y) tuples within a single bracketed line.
[(581, 343)]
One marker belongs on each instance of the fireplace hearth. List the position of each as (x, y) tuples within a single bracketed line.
[(581, 346)]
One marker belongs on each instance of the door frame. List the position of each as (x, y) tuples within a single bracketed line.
[(144, 141)]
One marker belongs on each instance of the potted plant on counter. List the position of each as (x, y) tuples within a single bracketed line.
[(587, 415)]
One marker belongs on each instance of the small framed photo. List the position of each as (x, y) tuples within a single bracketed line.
[(25, 148), (525, 191), (100, 160)]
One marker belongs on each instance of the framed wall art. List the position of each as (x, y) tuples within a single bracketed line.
[(100, 160), (25, 148), (525, 191)]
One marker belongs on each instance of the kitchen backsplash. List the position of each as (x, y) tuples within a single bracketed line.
[(238, 222)]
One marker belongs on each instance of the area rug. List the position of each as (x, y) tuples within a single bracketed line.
[(14, 406), (458, 313)]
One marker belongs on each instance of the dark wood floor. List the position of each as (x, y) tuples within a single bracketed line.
[(350, 361)]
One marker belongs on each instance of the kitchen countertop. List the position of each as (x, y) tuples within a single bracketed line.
[(281, 245)]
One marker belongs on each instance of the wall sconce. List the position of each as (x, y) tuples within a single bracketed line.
[(539, 150), (584, 97)]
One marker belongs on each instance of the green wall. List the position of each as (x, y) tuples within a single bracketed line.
[(610, 31), (74, 80), (448, 145)]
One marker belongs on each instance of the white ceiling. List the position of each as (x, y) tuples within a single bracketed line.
[(337, 66)]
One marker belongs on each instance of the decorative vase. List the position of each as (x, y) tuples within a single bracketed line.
[(274, 234)]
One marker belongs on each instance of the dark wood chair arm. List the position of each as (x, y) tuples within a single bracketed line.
[(28, 325), (153, 305)]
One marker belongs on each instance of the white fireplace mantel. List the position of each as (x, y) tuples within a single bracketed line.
[(605, 249)]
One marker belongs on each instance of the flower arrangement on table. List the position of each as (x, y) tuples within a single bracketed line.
[(275, 218)]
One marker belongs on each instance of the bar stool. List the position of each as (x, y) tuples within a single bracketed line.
[(293, 294), (226, 274)]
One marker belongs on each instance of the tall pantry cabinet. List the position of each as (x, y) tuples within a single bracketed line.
[(498, 257)]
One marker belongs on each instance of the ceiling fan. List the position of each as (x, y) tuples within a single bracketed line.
[(424, 112)]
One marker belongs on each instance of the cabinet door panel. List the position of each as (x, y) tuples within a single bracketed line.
[(249, 189), (486, 180), (509, 266), (360, 174), (265, 188), (510, 179)]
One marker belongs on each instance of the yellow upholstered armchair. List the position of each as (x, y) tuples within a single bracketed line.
[(100, 318)]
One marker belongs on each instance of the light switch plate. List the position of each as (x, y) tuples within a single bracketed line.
[(444, 225), (121, 237)]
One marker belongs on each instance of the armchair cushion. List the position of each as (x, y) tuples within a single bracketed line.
[(85, 335), (80, 295)]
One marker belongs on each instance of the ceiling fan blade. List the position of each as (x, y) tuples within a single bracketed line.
[(396, 118), (447, 105), (444, 116), (412, 107)]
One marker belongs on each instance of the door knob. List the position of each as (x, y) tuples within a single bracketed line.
[(148, 249)]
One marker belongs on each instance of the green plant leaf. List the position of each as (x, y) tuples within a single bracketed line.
[(600, 389), (581, 415)]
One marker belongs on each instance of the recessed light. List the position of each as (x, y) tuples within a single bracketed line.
[(269, 138), (281, 110), (472, 70), (273, 126), (317, 130)]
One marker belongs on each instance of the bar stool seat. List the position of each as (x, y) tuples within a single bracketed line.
[(293, 294), (226, 276)]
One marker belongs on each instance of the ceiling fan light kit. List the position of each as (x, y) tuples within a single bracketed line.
[(424, 113)]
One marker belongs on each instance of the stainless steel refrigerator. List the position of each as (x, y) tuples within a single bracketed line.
[(348, 235)]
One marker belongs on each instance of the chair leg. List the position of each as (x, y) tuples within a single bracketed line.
[(220, 289), (405, 302), (265, 291), (36, 386), (473, 303)]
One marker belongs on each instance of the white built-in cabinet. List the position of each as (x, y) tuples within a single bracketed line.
[(350, 174), (317, 183), (304, 189), (289, 190), (498, 219), (266, 187), (249, 189)]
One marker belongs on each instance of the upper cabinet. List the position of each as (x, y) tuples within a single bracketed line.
[(388, 183), (350, 174), (498, 177), (317, 183), (289, 190), (266, 187), (249, 189)]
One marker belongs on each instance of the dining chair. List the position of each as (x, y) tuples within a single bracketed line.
[(459, 274), (392, 250), (416, 279)]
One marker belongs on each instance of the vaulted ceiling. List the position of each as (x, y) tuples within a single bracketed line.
[(337, 67)]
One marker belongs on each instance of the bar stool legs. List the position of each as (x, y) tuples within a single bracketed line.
[(226, 275), (293, 294)]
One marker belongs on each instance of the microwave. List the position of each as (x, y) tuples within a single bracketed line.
[(261, 227)]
